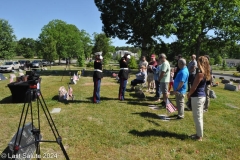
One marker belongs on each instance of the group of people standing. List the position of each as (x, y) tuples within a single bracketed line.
[(194, 78)]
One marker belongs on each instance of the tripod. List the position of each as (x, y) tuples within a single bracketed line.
[(33, 92)]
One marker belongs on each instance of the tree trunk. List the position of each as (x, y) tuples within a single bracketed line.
[(198, 46), (59, 61), (144, 49)]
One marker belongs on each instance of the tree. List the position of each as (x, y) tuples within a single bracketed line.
[(26, 47), (150, 20), (7, 40), (102, 44), (61, 40), (132, 63), (212, 61), (55, 32), (87, 43), (224, 64), (218, 60), (197, 18)]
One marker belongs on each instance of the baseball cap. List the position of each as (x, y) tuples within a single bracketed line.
[(153, 56)]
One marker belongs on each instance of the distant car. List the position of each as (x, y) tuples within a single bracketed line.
[(36, 64), (24, 63), (45, 63), (9, 66)]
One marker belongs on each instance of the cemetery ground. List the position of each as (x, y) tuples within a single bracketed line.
[(126, 129)]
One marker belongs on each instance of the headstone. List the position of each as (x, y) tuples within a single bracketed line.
[(140, 94), (27, 145), (2, 77), (237, 81), (231, 87), (56, 110), (224, 81)]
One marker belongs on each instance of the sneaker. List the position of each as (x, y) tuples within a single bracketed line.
[(205, 110), (180, 117)]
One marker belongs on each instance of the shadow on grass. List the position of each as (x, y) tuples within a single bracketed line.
[(158, 133), (6, 100), (71, 101), (6, 152), (153, 122), (148, 115)]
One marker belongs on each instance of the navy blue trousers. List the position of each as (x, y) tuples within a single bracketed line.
[(122, 88), (136, 81), (96, 91)]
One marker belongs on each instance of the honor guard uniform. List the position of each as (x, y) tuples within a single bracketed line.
[(123, 75), (97, 76)]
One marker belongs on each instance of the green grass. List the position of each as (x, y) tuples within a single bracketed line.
[(128, 129)]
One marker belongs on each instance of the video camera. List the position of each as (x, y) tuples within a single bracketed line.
[(33, 78)]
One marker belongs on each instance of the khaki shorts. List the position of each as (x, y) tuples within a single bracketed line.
[(150, 77), (164, 87)]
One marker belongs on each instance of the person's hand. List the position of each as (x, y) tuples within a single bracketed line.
[(175, 92)]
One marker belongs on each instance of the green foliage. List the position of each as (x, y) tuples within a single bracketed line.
[(90, 64), (107, 58), (238, 67), (26, 47), (81, 60), (61, 40), (218, 60), (236, 74), (150, 20), (132, 63), (101, 44), (87, 43), (224, 64), (212, 61), (7, 40)]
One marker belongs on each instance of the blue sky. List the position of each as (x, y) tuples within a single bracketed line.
[(27, 17)]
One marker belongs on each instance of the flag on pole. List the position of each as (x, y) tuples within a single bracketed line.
[(170, 107)]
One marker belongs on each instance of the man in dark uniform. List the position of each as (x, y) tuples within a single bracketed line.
[(123, 75), (97, 76)]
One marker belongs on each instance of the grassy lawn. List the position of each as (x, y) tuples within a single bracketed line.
[(126, 130)]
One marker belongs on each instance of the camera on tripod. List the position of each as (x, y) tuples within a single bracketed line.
[(33, 79)]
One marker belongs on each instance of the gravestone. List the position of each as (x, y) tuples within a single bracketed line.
[(224, 81), (231, 87), (27, 145), (237, 81)]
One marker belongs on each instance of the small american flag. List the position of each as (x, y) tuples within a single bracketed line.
[(170, 107)]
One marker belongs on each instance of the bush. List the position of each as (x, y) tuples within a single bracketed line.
[(90, 64), (238, 68), (212, 61), (236, 74), (133, 63)]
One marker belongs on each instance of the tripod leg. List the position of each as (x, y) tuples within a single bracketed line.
[(52, 124), (17, 145), (64, 151)]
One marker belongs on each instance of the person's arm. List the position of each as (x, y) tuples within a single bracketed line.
[(161, 75), (196, 81), (162, 72), (179, 87)]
